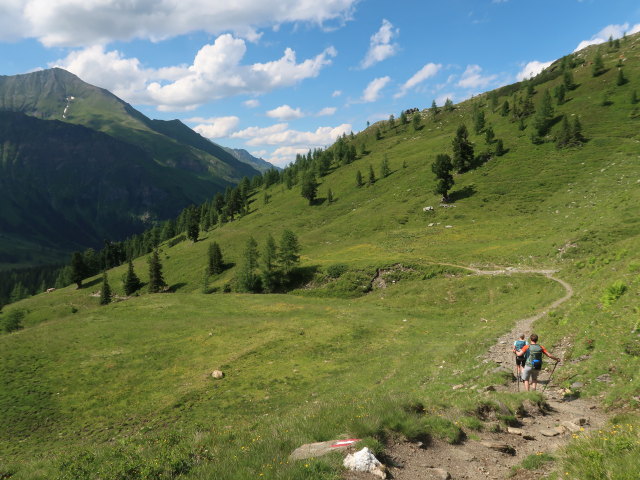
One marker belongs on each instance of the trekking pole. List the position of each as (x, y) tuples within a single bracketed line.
[(549, 381)]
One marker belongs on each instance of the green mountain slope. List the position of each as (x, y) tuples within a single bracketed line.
[(176, 166), (128, 385)]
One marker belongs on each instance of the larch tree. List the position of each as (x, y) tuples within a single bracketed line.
[(442, 168), (462, 150)]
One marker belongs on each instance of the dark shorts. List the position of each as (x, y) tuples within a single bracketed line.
[(520, 361)]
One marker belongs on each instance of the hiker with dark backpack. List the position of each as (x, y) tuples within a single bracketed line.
[(520, 361), (533, 364)]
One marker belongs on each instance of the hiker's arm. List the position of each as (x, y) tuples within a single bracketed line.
[(522, 352), (550, 356)]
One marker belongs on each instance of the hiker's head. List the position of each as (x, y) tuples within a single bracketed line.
[(522, 337), (533, 338)]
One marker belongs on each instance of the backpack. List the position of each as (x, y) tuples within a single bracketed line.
[(535, 356), (518, 344)]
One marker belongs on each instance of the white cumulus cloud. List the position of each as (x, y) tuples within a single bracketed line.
[(472, 78), (531, 69), (280, 134), (89, 22), (283, 156), (615, 31), (217, 72), (336, 93), (372, 91), (216, 127), (428, 71), (380, 46), (326, 111), (252, 103), (285, 112)]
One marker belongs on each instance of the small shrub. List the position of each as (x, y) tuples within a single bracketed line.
[(444, 429), (13, 321), (613, 293), (472, 423), (632, 348), (336, 270)]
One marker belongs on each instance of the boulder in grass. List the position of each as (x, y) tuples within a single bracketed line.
[(365, 461), (217, 374)]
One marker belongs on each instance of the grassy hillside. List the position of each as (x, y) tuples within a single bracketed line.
[(124, 391)]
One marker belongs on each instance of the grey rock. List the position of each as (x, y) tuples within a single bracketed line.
[(575, 385)]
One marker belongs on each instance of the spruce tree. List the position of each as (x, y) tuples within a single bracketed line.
[(403, 118), (504, 110), (415, 121), (105, 292), (559, 92), (329, 196), (215, 263), (372, 176), (309, 187), (442, 168), (248, 280), (567, 80), (576, 132), (478, 120), (544, 116), (359, 181), (489, 136), (385, 171), (269, 265), (434, 109), (563, 138), (289, 254), (392, 121), (448, 105), (131, 281), (462, 150), (500, 148), (78, 269), (598, 65), (621, 80), (156, 279), (193, 224), (18, 292)]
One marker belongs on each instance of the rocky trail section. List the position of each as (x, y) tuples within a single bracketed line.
[(492, 452)]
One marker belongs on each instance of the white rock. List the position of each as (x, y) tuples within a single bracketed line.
[(365, 461), (217, 374)]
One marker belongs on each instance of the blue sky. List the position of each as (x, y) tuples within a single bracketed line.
[(279, 77)]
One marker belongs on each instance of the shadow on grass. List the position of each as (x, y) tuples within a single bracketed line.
[(465, 192), (177, 286), (92, 283), (300, 277)]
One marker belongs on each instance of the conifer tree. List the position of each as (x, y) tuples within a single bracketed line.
[(634, 97), (448, 105), (489, 136), (478, 120), (404, 164), (248, 280), (156, 279), (403, 118), (462, 150), (564, 135), (378, 134), (193, 224), (385, 171), (442, 168), (576, 132), (18, 292), (392, 121), (500, 148), (131, 281), (598, 65), (504, 110), (78, 269), (215, 263), (105, 292), (269, 259), (372, 176), (309, 187), (621, 80), (544, 115), (359, 181), (567, 80), (289, 254), (559, 92), (434, 109), (329, 196), (415, 121)]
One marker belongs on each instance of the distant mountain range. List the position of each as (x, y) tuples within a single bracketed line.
[(78, 165), (257, 163)]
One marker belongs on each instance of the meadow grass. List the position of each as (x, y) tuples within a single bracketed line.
[(102, 392)]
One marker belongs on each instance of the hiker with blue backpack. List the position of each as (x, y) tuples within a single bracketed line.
[(533, 364), (520, 361)]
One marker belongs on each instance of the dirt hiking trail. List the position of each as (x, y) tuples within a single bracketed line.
[(492, 452)]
